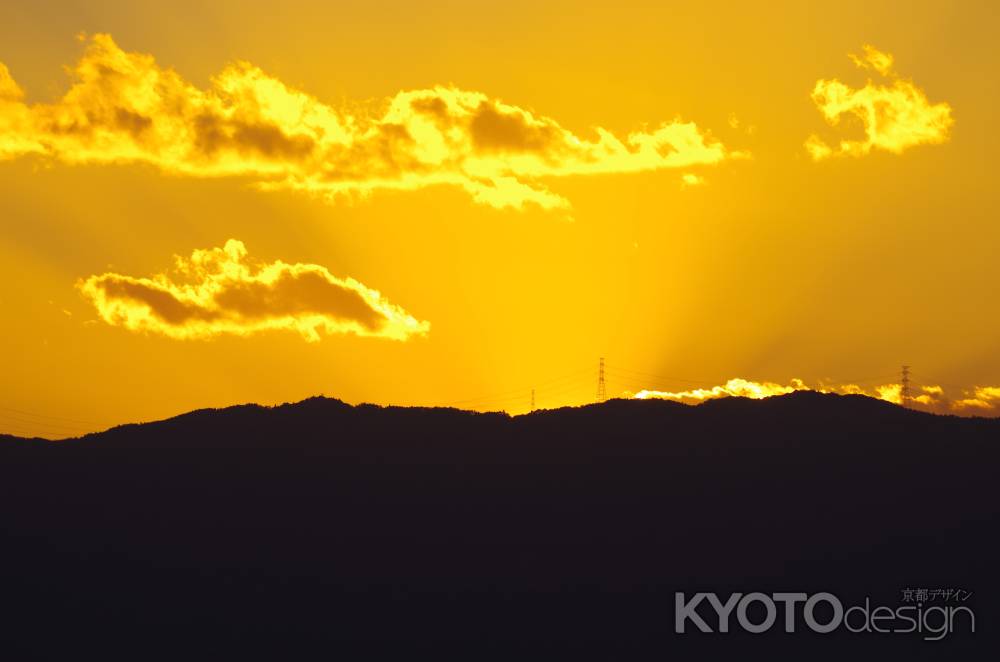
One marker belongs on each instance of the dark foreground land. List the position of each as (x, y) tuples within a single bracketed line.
[(324, 531)]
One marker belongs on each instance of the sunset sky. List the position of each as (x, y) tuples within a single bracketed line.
[(445, 203)]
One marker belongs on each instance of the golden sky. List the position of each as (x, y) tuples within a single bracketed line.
[(454, 203)]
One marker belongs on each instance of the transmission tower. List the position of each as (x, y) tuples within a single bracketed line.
[(904, 382), (602, 391), (532, 399)]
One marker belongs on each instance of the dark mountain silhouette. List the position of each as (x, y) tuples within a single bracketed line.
[(320, 529)]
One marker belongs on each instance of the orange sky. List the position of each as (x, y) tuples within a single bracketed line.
[(454, 203)]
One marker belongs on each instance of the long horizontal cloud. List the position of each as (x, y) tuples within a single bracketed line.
[(219, 291), (977, 401), (123, 107), (895, 117)]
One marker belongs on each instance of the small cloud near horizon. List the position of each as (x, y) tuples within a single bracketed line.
[(974, 401)]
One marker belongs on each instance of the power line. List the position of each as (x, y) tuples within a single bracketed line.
[(570, 382), (49, 416), (48, 426), (632, 375), (866, 380), (635, 374), (936, 382), (541, 395), (576, 387), (6, 419), (517, 392), (19, 429)]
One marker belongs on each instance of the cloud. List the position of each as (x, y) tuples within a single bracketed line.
[(124, 108), (979, 401), (736, 123), (220, 291), (691, 179), (873, 59), (16, 131), (737, 387), (895, 117)]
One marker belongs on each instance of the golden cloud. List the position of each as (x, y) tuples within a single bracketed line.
[(219, 291), (981, 400), (16, 133), (124, 108), (895, 117), (737, 387), (691, 179), (874, 59)]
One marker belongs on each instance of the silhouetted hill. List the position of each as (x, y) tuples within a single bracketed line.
[(320, 527)]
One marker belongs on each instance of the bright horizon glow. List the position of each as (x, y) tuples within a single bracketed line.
[(978, 401)]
